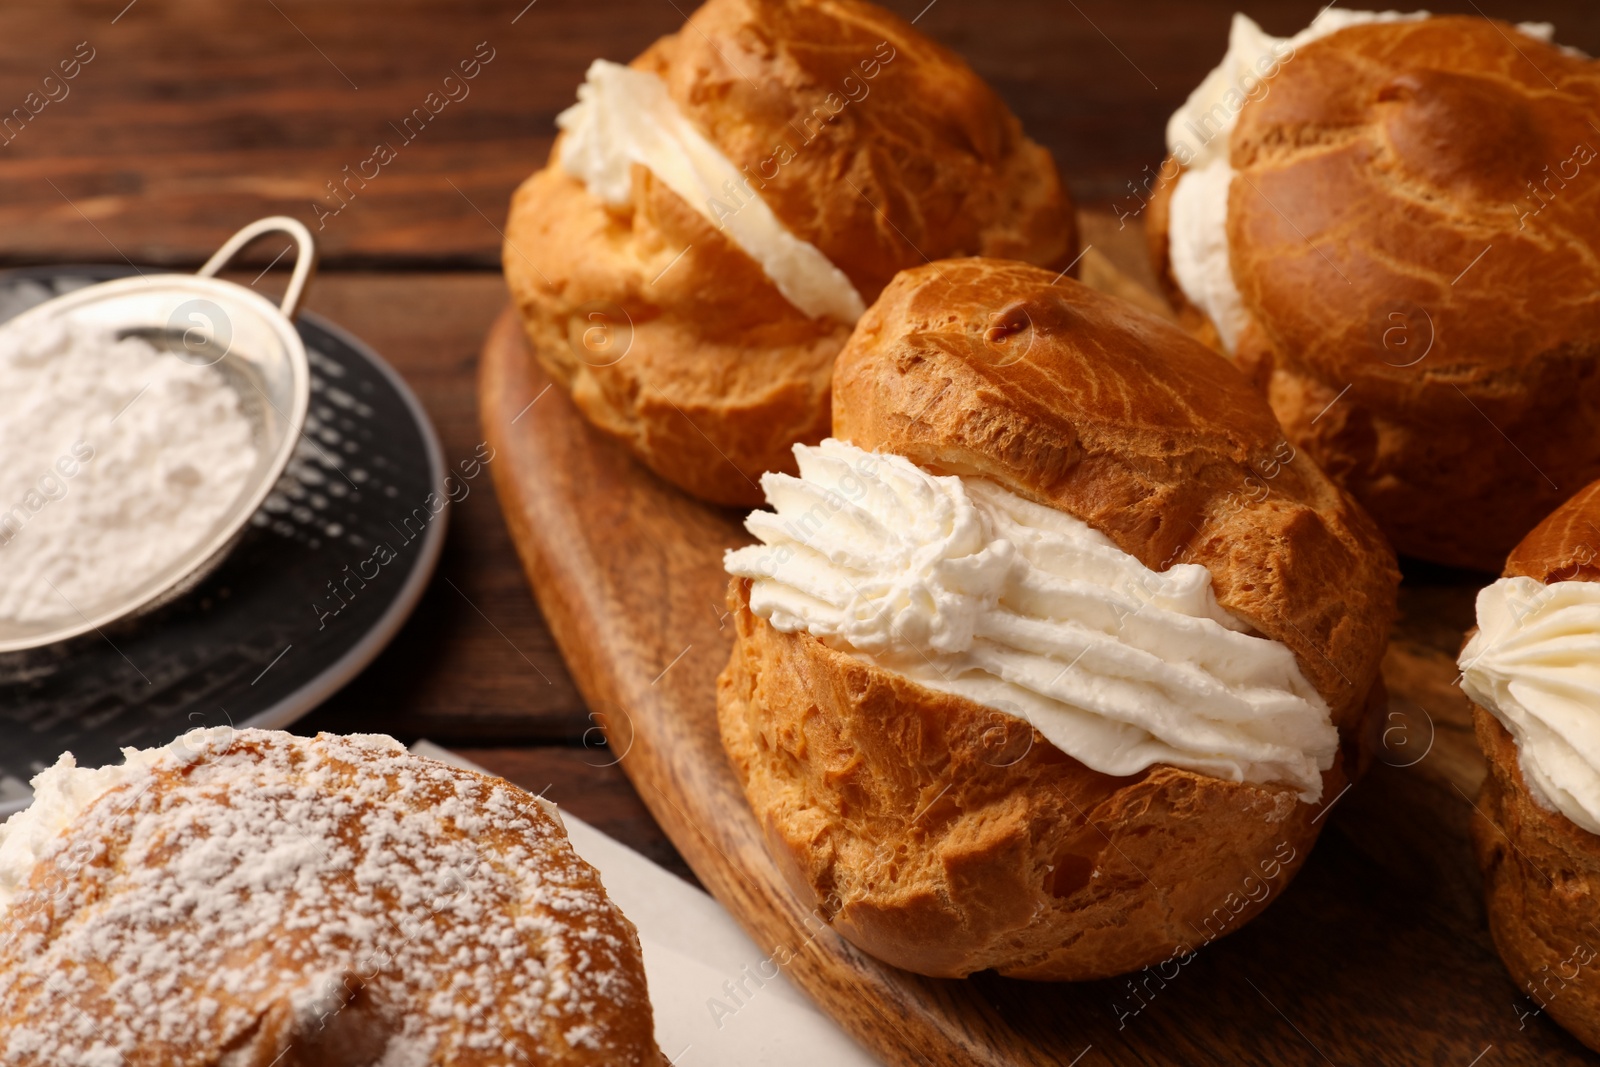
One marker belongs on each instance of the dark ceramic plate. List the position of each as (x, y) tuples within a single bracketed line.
[(324, 576)]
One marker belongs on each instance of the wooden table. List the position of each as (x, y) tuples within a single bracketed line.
[(187, 118)]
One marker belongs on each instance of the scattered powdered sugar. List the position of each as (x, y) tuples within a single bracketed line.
[(249, 895), (118, 459)]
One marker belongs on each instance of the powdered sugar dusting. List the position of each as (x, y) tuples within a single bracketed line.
[(120, 458), (335, 900)]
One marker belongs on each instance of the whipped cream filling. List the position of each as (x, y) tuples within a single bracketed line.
[(625, 116), (970, 589), (1534, 664)]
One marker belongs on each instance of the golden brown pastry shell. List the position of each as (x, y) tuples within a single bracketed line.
[(1541, 880), (1380, 164), (699, 364), (1541, 872), (1091, 405), (946, 837), (1565, 547)]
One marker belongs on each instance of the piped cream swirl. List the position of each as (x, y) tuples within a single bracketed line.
[(968, 588), (1534, 664), (625, 116)]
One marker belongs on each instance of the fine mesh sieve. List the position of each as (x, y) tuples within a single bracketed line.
[(203, 320)]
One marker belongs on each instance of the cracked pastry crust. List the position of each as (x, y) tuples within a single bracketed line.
[(1541, 872), (1383, 162), (946, 837), (718, 374)]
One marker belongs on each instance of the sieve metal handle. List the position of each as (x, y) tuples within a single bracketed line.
[(305, 263)]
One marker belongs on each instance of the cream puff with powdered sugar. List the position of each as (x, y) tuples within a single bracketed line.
[(250, 897)]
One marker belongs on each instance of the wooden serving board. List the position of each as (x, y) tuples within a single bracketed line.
[(1377, 954)]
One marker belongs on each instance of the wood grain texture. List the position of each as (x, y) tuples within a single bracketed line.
[(1378, 953), (194, 116)]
